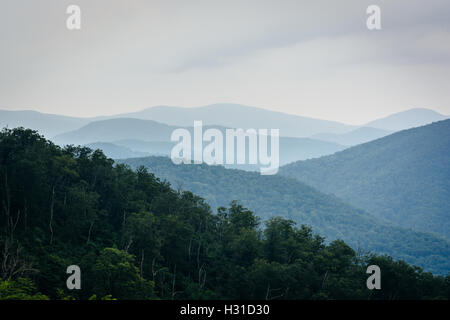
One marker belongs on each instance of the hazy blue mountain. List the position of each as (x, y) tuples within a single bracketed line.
[(382, 127), (48, 125), (407, 119), (294, 149), (282, 196), (240, 116), (403, 178), (149, 147), (291, 149), (354, 137), (116, 152), (227, 115), (124, 131), (117, 129), (153, 138)]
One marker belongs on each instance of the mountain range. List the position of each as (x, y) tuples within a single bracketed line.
[(240, 116), (407, 119), (382, 127), (124, 137), (48, 125), (147, 132), (402, 178), (227, 115), (388, 192)]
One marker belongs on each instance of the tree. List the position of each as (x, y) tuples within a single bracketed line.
[(116, 274)]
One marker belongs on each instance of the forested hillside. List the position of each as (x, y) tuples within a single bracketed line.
[(403, 178), (277, 195), (136, 238)]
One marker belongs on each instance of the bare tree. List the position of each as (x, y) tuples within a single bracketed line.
[(13, 264), (52, 205), (142, 262), (89, 234)]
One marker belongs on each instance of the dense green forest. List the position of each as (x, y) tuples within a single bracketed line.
[(134, 237), (402, 178), (269, 196)]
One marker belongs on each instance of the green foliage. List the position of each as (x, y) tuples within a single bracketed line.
[(116, 274), (136, 238), (19, 289)]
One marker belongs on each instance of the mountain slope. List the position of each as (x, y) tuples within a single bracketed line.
[(276, 195), (403, 178), (135, 238), (354, 137), (117, 129), (407, 119), (48, 125), (115, 151), (291, 149), (240, 116)]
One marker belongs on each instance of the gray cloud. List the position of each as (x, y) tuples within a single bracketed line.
[(311, 58)]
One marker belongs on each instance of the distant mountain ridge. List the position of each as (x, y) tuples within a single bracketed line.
[(354, 137), (116, 151), (48, 125), (226, 115), (240, 116), (151, 137), (403, 178), (117, 129), (410, 118), (229, 115)]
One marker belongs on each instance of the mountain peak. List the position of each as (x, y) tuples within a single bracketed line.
[(240, 116), (410, 118)]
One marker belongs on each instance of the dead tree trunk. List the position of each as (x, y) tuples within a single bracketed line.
[(89, 234), (142, 262), (52, 205)]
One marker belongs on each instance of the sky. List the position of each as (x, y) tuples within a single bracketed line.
[(309, 58)]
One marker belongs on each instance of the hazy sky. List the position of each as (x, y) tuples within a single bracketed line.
[(312, 58)]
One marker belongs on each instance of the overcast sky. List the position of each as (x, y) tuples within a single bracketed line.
[(312, 58)]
